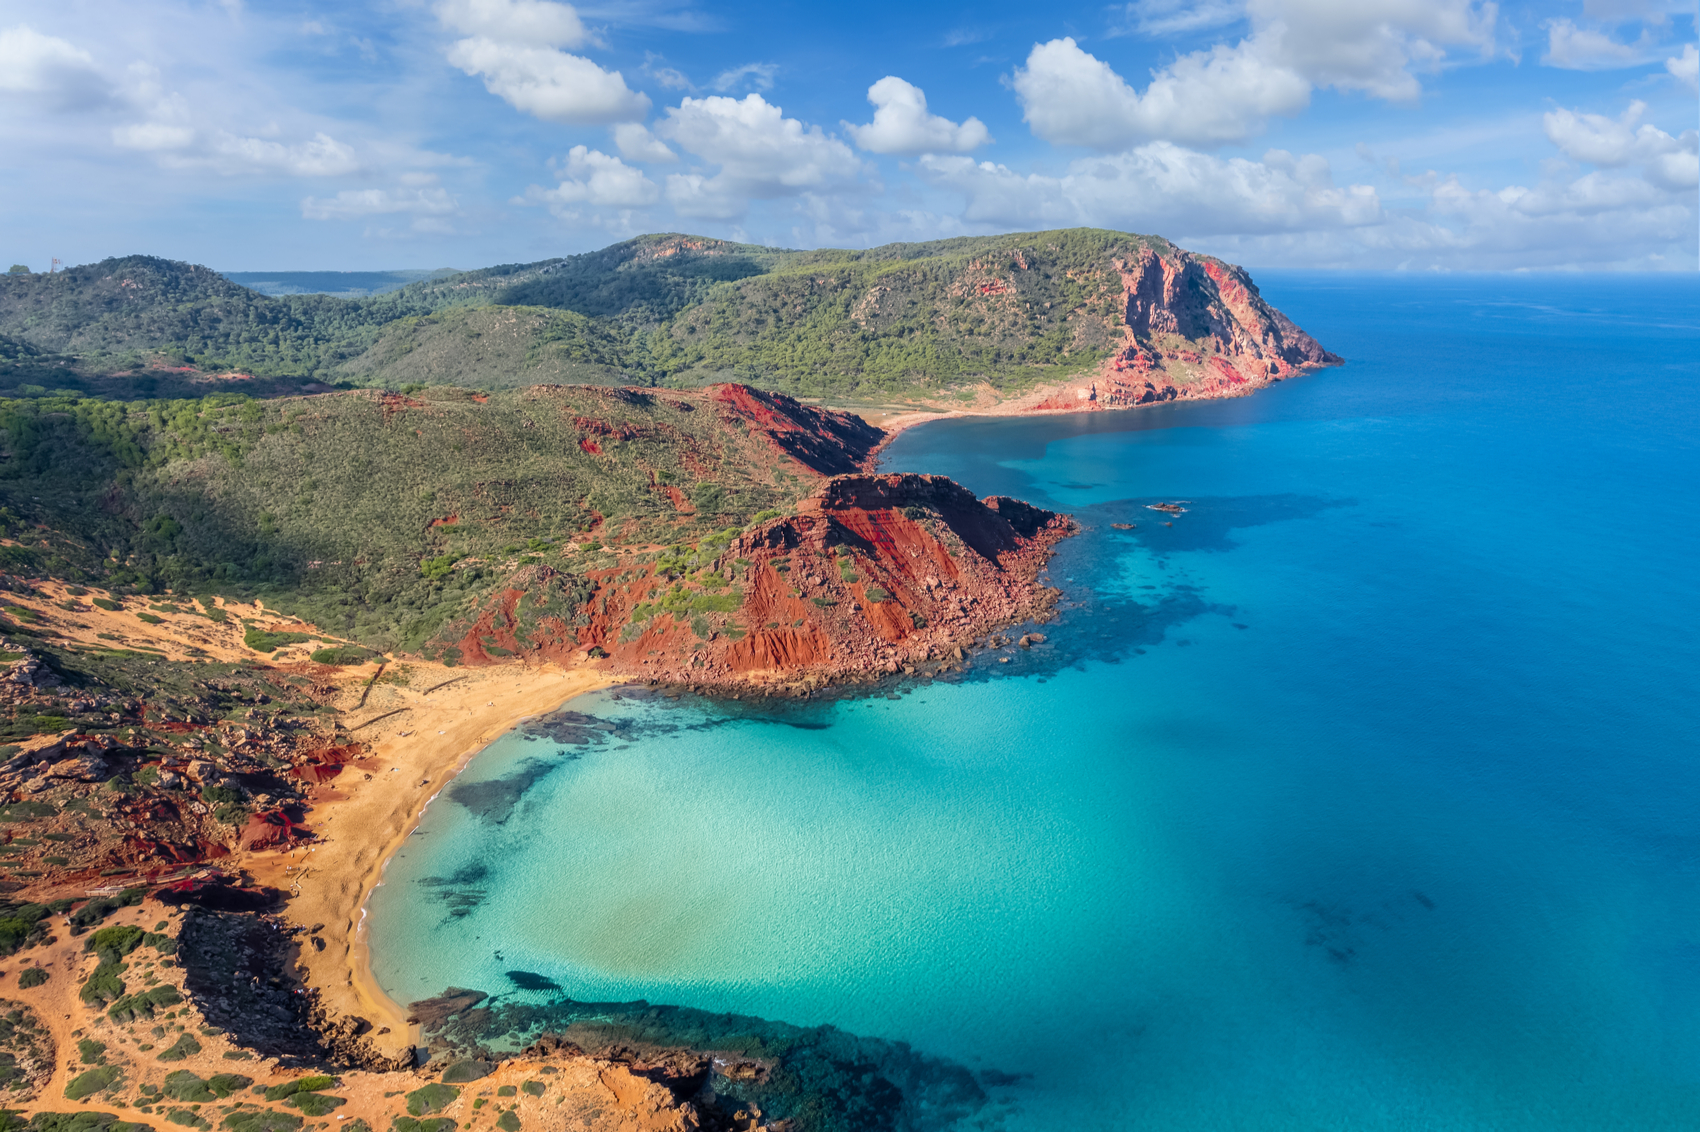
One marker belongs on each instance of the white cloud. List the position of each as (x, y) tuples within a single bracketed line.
[(1686, 67), (550, 84), (757, 76), (176, 136), (902, 125), (1373, 46), (529, 23), (1599, 140), (670, 77), (1206, 98), (636, 143), (1161, 187), (1227, 93), (595, 178), (1590, 49), (59, 73), (761, 154), (513, 46), (1172, 17), (1637, 209), (353, 204), (1671, 164)]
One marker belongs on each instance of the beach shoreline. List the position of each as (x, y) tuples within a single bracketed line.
[(1032, 404), (358, 827)]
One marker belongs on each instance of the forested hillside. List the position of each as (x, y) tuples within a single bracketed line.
[(1003, 313)]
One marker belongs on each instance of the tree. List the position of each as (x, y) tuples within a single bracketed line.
[(19, 269)]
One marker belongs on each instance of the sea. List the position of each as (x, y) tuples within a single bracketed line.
[(1362, 793)]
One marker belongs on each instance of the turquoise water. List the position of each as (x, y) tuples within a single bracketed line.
[(1365, 795)]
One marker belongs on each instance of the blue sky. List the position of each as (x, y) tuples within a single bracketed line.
[(1415, 134)]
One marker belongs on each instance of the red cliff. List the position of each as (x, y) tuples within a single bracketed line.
[(871, 574), (1193, 327)]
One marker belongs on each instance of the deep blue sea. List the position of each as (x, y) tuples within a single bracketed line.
[(1367, 795)]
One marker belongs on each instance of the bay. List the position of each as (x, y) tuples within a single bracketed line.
[(1363, 795)]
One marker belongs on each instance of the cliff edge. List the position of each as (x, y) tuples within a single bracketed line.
[(871, 574)]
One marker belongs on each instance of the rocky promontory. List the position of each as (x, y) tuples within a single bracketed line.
[(868, 576)]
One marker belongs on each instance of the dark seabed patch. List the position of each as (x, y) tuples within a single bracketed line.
[(531, 981), (462, 891), (493, 800)]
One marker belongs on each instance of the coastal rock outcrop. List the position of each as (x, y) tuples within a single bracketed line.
[(1193, 327), (868, 575)]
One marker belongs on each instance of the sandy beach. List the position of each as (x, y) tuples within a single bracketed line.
[(441, 718)]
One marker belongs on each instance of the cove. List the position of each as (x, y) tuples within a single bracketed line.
[(1361, 796)]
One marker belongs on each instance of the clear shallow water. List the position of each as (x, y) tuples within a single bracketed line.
[(1365, 795)]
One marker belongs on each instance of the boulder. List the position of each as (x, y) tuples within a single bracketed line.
[(85, 768)]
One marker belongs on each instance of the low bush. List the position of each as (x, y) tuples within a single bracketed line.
[(265, 641), (314, 1105), (262, 1121), (341, 655), (299, 1086), (430, 1099), (142, 1005), (185, 1046), (91, 1082)]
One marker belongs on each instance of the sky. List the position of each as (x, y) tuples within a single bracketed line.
[(1452, 135)]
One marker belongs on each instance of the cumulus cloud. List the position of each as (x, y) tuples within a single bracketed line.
[(57, 73), (1207, 98), (1374, 46), (595, 178), (1161, 187), (636, 143), (355, 204), (1671, 164), (1635, 208), (1227, 93), (513, 45), (762, 155), (1686, 67), (902, 125)]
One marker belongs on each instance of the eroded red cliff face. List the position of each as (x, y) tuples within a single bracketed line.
[(822, 440), (872, 573), (1193, 327)]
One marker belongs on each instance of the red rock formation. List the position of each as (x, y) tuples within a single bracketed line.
[(1194, 327), (872, 573), (823, 441), (270, 828)]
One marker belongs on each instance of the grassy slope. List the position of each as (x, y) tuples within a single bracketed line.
[(337, 507), (657, 310)]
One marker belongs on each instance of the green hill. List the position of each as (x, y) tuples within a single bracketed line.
[(379, 515), (667, 310)]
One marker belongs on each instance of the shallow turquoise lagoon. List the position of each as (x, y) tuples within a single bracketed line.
[(1365, 795)]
